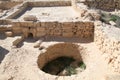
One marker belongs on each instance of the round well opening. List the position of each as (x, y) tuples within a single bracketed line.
[(30, 35), (62, 59)]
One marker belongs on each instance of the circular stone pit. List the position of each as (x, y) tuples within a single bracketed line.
[(63, 59)]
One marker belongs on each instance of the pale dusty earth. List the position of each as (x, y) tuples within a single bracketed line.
[(51, 13), (21, 63)]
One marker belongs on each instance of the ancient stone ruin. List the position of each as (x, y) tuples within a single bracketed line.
[(60, 40)]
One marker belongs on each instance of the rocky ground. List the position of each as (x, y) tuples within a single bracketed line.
[(21, 63)]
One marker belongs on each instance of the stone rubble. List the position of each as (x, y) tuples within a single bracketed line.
[(108, 45)]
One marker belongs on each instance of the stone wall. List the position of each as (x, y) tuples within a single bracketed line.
[(108, 45), (54, 51), (106, 5), (84, 12), (64, 29), (49, 3), (21, 8), (4, 22), (5, 5), (17, 10), (5, 25)]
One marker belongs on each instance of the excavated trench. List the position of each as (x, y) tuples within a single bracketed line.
[(63, 59)]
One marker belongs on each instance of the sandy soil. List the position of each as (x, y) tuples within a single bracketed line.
[(21, 63), (51, 13)]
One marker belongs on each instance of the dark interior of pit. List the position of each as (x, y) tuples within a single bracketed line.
[(30, 35), (64, 66)]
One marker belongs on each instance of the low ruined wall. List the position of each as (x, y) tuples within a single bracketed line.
[(109, 46), (64, 29), (5, 5), (106, 5), (4, 22), (15, 13), (21, 8), (84, 12), (18, 41), (49, 3), (5, 25)]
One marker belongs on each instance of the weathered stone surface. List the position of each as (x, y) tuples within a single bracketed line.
[(17, 41), (8, 4), (105, 5), (30, 18), (65, 29), (55, 52), (108, 45), (40, 34), (67, 34), (8, 33), (40, 29)]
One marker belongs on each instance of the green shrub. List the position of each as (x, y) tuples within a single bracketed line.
[(82, 65), (114, 18), (70, 70), (108, 17)]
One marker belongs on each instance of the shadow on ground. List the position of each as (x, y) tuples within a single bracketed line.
[(2, 36), (55, 39), (3, 52), (75, 40)]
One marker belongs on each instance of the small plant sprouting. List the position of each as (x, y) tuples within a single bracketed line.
[(82, 65), (71, 70), (114, 18)]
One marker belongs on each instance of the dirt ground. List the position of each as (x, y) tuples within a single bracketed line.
[(21, 63), (51, 13)]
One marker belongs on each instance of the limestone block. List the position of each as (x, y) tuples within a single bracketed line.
[(30, 18), (51, 33), (32, 29), (79, 35), (17, 29), (67, 30), (9, 27), (74, 30), (51, 25), (2, 29), (17, 24), (79, 24), (57, 30), (24, 30), (17, 41), (67, 34), (30, 24), (38, 24), (67, 25), (34, 24), (43, 24), (37, 44), (79, 32), (41, 29), (58, 34), (22, 24), (40, 34), (8, 33)]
